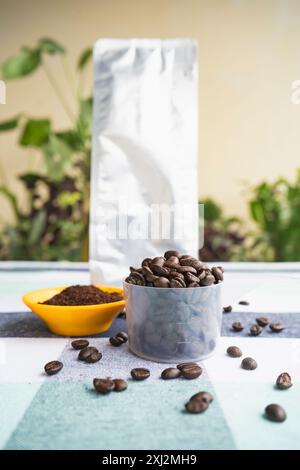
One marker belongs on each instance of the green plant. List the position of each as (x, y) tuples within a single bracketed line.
[(223, 236), (54, 224), (275, 208)]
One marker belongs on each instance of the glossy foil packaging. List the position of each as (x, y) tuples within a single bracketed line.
[(144, 159)]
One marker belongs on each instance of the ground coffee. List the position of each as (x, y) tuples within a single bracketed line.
[(83, 295)]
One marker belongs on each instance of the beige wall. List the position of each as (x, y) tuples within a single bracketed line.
[(249, 53)]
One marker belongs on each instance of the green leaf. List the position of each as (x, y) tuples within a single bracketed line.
[(72, 138), (66, 198), (37, 227), (31, 179), (12, 199), (35, 133), (50, 46), (58, 156), (84, 58), (22, 64), (85, 117), (10, 124)]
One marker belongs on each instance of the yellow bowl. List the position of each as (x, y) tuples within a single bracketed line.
[(74, 320)]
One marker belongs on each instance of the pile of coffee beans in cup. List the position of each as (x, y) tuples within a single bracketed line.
[(174, 270)]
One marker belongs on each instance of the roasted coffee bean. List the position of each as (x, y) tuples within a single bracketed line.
[(170, 253), (176, 275), (222, 269), (53, 367), (277, 327), (120, 385), (86, 352), (116, 342), (146, 271), (189, 277), (249, 364), (122, 336), (186, 257), (170, 373), (193, 284), (237, 326), (208, 280), (227, 309), (262, 321), (201, 274), (79, 344), (130, 280), (139, 373), (158, 260), (94, 357), (234, 351), (172, 259), (255, 330), (186, 364), (160, 270), (186, 269), (217, 273), (161, 282), (196, 406), (284, 381), (146, 262), (275, 413), (176, 283), (138, 278), (203, 396), (195, 263), (191, 372), (104, 385), (244, 302)]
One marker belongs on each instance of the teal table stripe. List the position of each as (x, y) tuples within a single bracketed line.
[(71, 415)]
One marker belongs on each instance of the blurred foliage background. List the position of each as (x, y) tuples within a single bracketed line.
[(54, 224)]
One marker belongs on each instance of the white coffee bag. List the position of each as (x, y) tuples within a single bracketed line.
[(144, 160)]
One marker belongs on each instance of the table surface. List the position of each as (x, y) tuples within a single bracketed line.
[(64, 412)]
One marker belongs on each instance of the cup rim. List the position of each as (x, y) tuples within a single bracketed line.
[(167, 289)]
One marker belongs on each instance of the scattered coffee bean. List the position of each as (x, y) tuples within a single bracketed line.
[(122, 336), (170, 373), (227, 309), (120, 385), (284, 381), (277, 327), (186, 364), (234, 351), (139, 373), (255, 330), (262, 321), (53, 367), (191, 372), (104, 385), (237, 326), (203, 396), (275, 413), (114, 341), (244, 302), (249, 364), (79, 344), (196, 406), (94, 357), (86, 352)]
